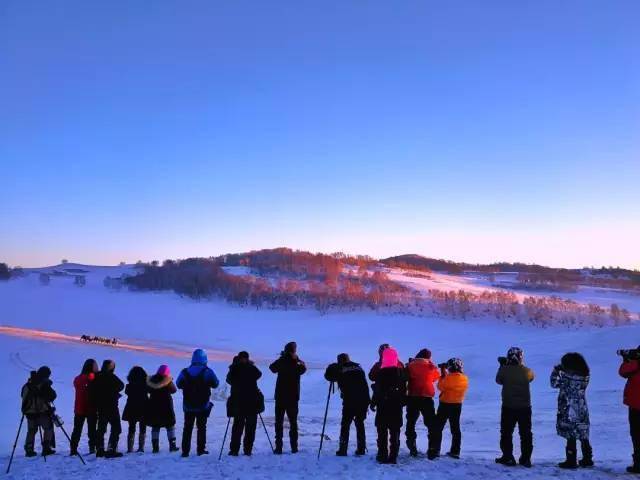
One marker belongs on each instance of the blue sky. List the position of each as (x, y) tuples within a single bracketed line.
[(477, 131)]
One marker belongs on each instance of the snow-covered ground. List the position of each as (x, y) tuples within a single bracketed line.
[(164, 320)]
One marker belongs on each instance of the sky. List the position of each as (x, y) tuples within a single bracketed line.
[(472, 131)]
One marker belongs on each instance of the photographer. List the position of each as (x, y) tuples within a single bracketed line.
[(37, 395), (422, 373), (516, 407), (453, 386), (354, 391), (571, 377), (630, 369)]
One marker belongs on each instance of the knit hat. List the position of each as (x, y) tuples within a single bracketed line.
[(108, 366), (389, 358), (244, 355), (515, 356), (455, 365), (424, 353), (44, 372), (343, 358), (164, 370), (291, 347)]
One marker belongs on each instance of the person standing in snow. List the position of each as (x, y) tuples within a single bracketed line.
[(571, 377), (37, 395), (84, 407), (453, 386), (422, 373), (160, 412), (630, 370), (196, 383), (389, 396), (354, 391), (106, 388), (245, 402), (515, 379), (289, 369), (135, 409)]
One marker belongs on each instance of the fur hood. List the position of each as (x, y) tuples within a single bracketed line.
[(157, 382)]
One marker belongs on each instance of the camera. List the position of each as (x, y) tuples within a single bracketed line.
[(502, 360), (630, 354)]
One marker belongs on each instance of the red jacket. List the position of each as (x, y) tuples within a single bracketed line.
[(631, 371), (83, 406), (422, 374)]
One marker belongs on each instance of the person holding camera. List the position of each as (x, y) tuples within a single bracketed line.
[(354, 391), (515, 379), (289, 369), (422, 373), (453, 386), (106, 388), (244, 403), (571, 377), (630, 370), (37, 395)]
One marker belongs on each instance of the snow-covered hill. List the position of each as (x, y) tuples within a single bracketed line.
[(164, 320)]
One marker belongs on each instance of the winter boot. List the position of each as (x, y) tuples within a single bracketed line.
[(30, 453), (432, 454), (383, 453), (635, 468), (413, 449), (47, 450), (112, 453), (92, 449), (453, 455), (203, 452), (525, 462), (506, 461), (130, 441), (172, 445), (233, 453), (100, 452), (278, 449), (294, 447), (141, 440), (155, 446), (73, 451), (342, 449), (587, 455), (570, 463)]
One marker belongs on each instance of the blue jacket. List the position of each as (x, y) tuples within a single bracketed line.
[(198, 364)]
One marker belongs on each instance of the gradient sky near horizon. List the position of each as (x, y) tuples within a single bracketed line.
[(473, 131)]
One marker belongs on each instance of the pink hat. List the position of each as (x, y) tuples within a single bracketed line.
[(389, 358), (164, 370)]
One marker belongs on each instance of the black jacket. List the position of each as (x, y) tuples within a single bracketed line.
[(137, 402), (105, 391), (160, 411), (352, 383), (289, 370), (389, 396), (245, 398), (37, 395)]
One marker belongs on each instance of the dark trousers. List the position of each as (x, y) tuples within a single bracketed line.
[(634, 428), (78, 425), (34, 423), (291, 410), (200, 420), (448, 412), (509, 418), (388, 442), (417, 406), (572, 448), (131, 434), (357, 415), (112, 420), (246, 424)]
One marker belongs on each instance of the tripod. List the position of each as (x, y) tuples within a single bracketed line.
[(57, 421)]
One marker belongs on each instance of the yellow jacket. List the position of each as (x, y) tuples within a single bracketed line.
[(453, 387)]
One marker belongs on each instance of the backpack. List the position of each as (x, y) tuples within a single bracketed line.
[(196, 392)]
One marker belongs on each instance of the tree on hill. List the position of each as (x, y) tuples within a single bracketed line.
[(5, 272)]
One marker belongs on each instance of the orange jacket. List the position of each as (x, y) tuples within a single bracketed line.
[(631, 371), (453, 387), (422, 374)]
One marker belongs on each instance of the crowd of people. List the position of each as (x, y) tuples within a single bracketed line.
[(103, 340), (399, 393)]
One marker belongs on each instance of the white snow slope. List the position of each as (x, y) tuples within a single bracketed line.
[(164, 320)]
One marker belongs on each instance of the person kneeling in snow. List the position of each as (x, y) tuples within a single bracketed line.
[(389, 397), (37, 395), (516, 407), (572, 378), (245, 402), (196, 383), (160, 413), (453, 386), (354, 391), (106, 390)]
